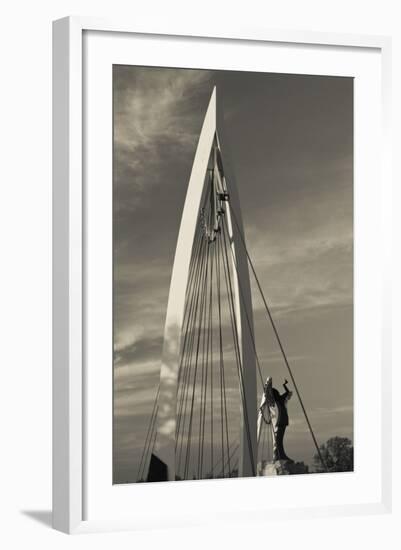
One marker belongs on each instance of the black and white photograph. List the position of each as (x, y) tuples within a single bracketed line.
[(232, 274)]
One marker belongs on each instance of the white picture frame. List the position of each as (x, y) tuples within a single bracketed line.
[(69, 257)]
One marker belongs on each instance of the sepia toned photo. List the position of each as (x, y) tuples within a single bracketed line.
[(232, 274)]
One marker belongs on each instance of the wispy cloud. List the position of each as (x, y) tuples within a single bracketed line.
[(152, 117)]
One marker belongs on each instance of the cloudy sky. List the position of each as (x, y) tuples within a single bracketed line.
[(291, 141)]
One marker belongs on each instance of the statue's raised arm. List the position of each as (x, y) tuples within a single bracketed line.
[(287, 394)]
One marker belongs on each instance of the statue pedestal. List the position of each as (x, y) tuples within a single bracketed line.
[(282, 468)]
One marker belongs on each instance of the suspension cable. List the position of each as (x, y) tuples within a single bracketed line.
[(242, 297), (237, 349), (149, 436), (221, 357), (280, 344)]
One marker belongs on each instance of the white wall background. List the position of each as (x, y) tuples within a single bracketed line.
[(25, 218)]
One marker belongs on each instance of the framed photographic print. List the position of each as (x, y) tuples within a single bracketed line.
[(221, 306)]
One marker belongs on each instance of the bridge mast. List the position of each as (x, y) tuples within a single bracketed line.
[(212, 136)]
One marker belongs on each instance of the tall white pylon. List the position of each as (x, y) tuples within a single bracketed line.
[(212, 134)]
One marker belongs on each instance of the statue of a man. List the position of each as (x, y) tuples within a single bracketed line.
[(273, 410)]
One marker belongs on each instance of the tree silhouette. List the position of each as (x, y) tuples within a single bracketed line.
[(337, 453)]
